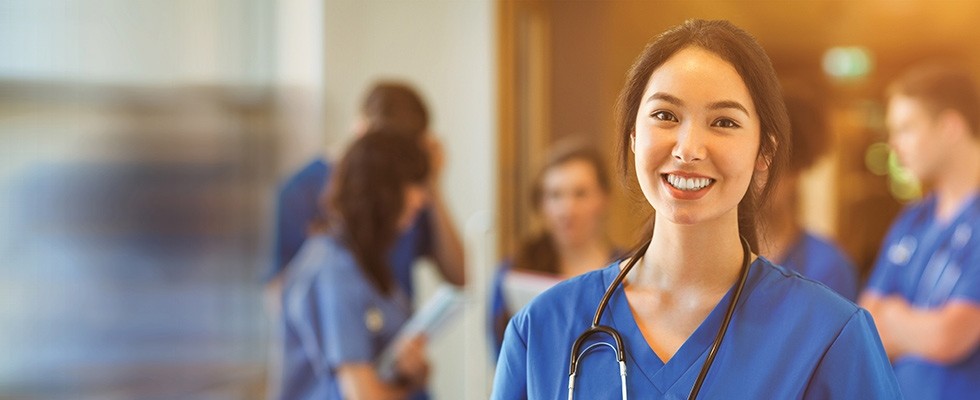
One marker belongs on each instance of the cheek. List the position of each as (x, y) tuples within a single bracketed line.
[(740, 165), (550, 211), (647, 161), (595, 207)]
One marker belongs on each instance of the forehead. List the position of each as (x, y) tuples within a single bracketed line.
[(575, 171), (699, 76), (903, 108)]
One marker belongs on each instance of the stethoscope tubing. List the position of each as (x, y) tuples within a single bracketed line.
[(596, 328)]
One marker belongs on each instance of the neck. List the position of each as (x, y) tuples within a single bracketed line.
[(577, 259), (958, 182), (702, 257)]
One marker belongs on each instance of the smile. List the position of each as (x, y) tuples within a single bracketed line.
[(687, 184)]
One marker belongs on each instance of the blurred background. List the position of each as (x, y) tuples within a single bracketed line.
[(141, 144)]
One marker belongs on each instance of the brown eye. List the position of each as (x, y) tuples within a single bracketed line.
[(726, 123), (664, 116)]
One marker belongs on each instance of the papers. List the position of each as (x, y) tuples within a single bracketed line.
[(429, 320), (522, 286)]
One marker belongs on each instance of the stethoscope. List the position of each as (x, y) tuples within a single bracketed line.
[(576, 355)]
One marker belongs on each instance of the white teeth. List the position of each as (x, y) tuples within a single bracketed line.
[(688, 184)]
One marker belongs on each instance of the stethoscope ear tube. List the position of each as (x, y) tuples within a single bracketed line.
[(743, 276), (619, 279), (596, 328)]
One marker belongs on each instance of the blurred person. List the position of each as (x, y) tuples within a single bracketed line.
[(571, 195), (394, 107), (785, 241), (397, 108), (924, 291), (342, 303), (692, 310)]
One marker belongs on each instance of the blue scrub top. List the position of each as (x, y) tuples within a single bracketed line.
[(333, 315), (790, 338), (499, 308), (821, 260), (930, 264), (298, 205)]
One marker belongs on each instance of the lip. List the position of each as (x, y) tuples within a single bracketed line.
[(685, 194)]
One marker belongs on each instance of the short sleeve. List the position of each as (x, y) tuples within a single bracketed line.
[(343, 306), (296, 206), (510, 379), (498, 309), (855, 366)]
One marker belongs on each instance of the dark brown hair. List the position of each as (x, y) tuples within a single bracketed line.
[(941, 87), (539, 253), (395, 107), (736, 46), (367, 197), (809, 136)]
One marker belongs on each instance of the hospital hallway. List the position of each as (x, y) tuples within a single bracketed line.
[(143, 145)]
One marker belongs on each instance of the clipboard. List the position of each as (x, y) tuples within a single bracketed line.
[(520, 287), (430, 319)]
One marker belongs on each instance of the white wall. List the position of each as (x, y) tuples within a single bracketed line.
[(446, 49), (136, 42)]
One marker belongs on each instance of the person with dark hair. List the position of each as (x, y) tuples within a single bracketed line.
[(785, 241), (692, 311), (924, 290), (571, 194), (397, 108), (342, 303)]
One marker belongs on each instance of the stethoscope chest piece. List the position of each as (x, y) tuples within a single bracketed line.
[(597, 329)]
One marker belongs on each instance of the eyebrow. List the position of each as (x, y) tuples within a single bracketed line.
[(732, 104), (718, 105), (665, 97)]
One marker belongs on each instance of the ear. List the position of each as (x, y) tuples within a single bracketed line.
[(762, 163), (633, 142)]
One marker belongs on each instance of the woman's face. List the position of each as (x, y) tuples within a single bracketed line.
[(573, 203), (696, 138), (416, 197)]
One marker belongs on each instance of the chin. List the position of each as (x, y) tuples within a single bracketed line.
[(685, 219), (688, 216), (565, 239)]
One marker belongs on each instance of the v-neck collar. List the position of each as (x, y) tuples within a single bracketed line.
[(664, 376)]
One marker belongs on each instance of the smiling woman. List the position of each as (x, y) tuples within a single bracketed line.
[(702, 121), (695, 129)]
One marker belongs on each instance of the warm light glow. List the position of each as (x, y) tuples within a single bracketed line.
[(876, 158), (847, 63), (901, 183)]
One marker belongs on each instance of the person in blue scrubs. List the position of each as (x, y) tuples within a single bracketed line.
[(784, 240), (342, 303), (571, 195), (701, 121), (393, 106), (924, 291)]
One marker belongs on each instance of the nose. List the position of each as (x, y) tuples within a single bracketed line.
[(690, 145)]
